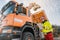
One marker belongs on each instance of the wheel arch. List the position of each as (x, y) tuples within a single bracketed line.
[(28, 29)]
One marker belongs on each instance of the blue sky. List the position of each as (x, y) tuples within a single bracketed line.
[(51, 7)]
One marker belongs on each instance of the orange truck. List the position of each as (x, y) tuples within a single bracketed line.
[(18, 23)]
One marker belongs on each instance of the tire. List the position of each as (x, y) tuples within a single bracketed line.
[(28, 36)]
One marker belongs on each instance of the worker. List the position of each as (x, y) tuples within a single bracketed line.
[(47, 30), (47, 27)]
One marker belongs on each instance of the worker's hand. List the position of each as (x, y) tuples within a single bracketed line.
[(45, 33), (36, 6)]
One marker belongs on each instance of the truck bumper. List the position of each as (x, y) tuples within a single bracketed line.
[(5, 36)]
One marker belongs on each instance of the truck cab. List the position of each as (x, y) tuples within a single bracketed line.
[(15, 22)]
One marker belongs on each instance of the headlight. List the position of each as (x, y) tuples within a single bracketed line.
[(7, 31)]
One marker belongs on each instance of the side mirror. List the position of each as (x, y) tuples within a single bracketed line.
[(16, 13)]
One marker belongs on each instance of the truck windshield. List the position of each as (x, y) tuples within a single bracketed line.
[(8, 8)]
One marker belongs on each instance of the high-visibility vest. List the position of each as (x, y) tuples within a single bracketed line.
[(47, 27)]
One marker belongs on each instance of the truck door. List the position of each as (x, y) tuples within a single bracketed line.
[(20, 17)]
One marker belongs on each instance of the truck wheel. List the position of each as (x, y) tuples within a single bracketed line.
[(28, 36)]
